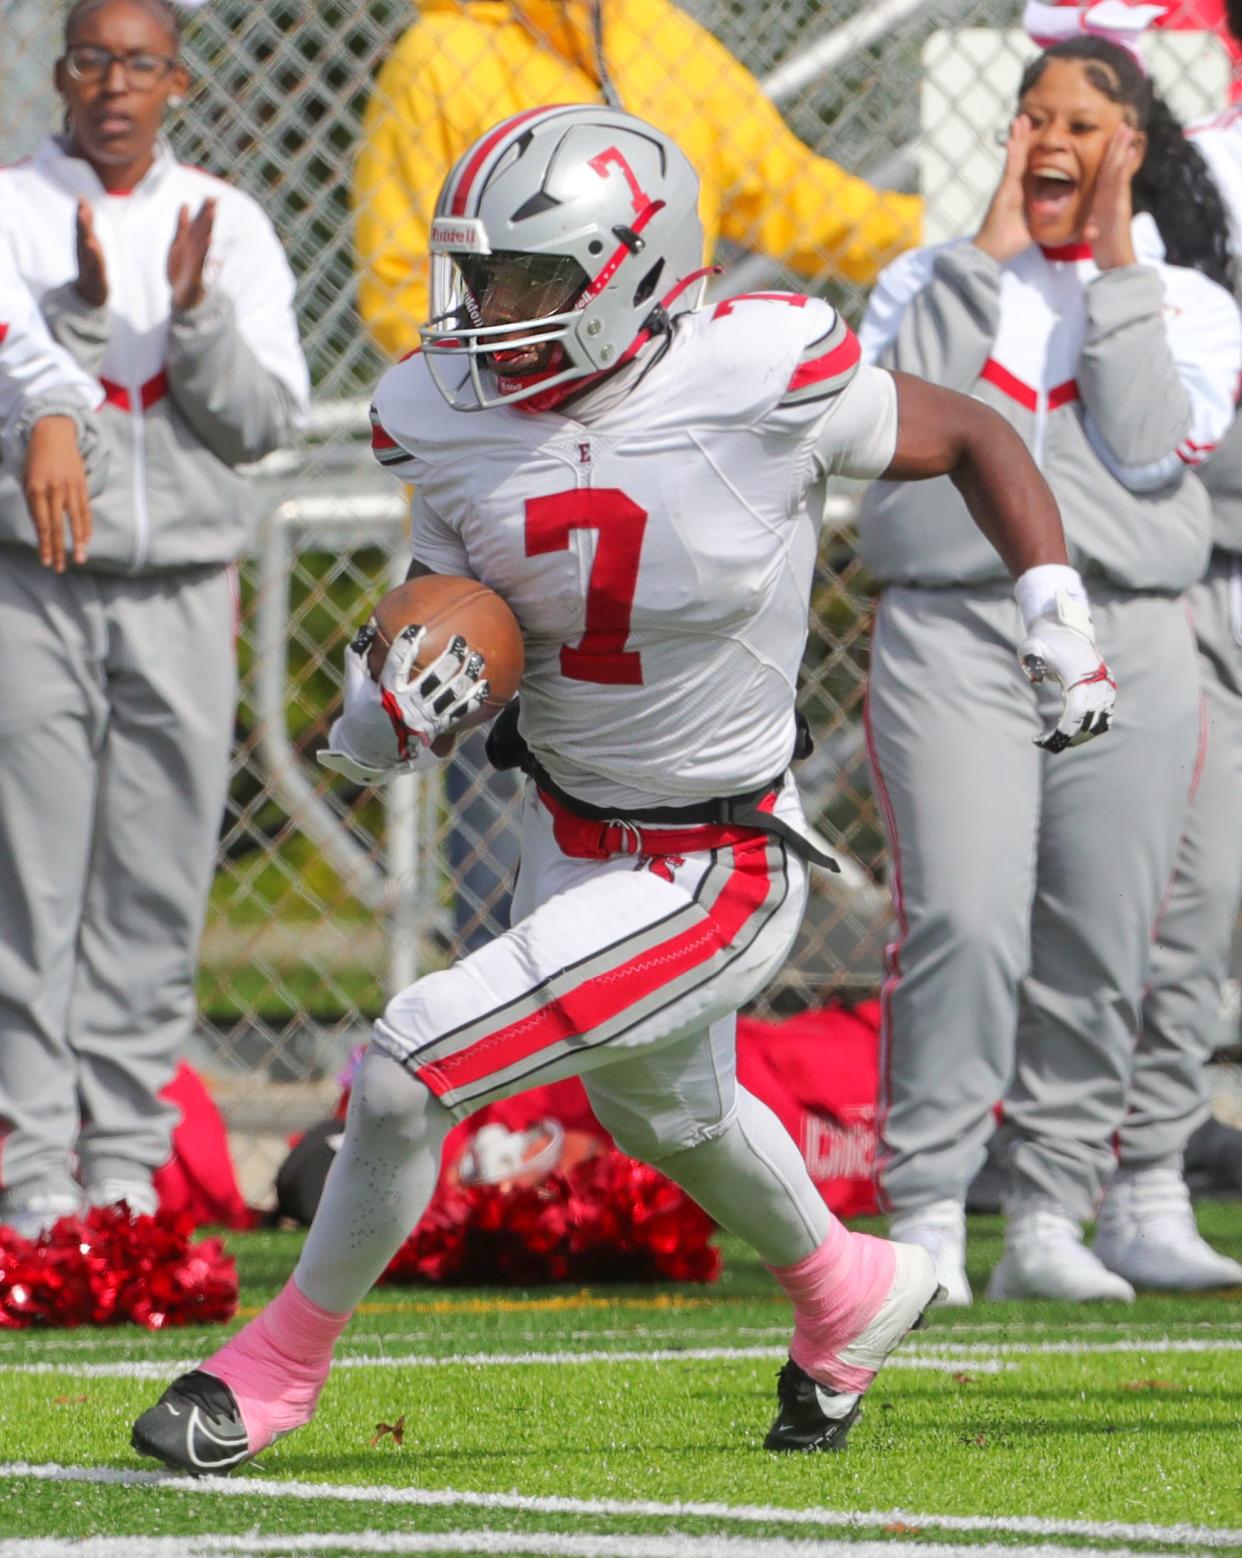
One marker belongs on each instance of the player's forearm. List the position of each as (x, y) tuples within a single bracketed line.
[(1007, 495)]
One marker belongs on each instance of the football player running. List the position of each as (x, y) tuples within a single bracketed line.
[(630, 471)]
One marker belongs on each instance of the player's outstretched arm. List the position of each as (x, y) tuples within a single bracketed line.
[(942, 433)]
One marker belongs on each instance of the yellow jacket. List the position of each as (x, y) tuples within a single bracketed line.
[(466, 64)]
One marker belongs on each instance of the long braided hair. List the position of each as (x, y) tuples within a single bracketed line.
[(1174, 183)]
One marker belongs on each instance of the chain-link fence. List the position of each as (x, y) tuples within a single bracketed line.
[(327, 897)]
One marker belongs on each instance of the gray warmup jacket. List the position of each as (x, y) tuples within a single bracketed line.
[(1120, 383), (188, 396)]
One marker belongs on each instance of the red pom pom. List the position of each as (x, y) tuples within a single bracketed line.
[(608, 1218), (107, 1268)]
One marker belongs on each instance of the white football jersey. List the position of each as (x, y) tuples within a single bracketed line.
[(658, 556)]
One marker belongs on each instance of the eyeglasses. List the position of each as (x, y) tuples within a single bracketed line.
[(87, 63)]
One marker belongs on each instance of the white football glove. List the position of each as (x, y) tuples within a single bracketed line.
[(1063, 646), (388, 727)]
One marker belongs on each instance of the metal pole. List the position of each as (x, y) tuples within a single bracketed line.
[(403, 850), (870, 23)]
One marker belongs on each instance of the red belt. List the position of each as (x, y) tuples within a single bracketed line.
[(587, 838)]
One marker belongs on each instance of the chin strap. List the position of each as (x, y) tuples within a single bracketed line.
[(656, 323)]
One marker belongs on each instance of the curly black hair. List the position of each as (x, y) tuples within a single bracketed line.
[(1174, 183), (163, 11)]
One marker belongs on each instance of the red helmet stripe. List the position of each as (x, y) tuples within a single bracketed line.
[(484, 150), (621, 253)]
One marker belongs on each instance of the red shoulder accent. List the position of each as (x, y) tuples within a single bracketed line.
[(380, 439), (726, 307), (839, 360)]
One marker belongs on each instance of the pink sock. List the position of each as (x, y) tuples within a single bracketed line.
[(835, 1292), (276, 1364)]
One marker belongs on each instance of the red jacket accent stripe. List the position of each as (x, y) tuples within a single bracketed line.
[(1062, 394), (601, 998), (1067, 251), (1009, 384), (839, 360), (1027, 396), (118, 395)]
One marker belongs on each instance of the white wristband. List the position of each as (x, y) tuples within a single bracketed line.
[(1037, 589)]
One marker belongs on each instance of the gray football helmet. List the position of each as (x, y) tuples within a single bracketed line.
[(561, 240)]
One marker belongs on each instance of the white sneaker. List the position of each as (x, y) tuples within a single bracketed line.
[(940, 1229), (1147, 1234), (37, 1214), (138, 1194), (1046, 1258)]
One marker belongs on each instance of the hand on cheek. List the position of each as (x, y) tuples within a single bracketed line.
[(1107, 227)]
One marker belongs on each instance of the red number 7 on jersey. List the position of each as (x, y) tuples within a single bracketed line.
[(601, 655)]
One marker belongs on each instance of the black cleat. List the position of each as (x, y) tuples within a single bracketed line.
[(194, 1427), (811, 1417)]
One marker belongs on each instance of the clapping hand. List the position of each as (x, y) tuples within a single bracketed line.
[(92, 281), (188, 255)]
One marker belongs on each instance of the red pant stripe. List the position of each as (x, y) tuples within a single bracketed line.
[(602, 997)]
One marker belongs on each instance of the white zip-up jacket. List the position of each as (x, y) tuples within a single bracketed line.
[(37, 377), (1119, 382), (1220, 141), (188, 396)]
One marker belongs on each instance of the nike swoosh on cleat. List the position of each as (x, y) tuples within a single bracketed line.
[(216, 1442)]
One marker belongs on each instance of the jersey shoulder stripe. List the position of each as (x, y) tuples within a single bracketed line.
[(825, 366), (384, 446), (412, 424)]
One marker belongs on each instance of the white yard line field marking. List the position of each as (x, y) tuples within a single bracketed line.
[(956, 1335), (938, 1357), (546, 1544), (994, 1350), (965, 1327), (275, 1490), (44, 1341), (168, 1368)]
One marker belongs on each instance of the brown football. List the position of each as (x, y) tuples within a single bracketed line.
[(445, 605)]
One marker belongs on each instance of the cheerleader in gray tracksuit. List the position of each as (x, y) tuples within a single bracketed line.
[(170, 287), (1147, 1228), (1026, 889)]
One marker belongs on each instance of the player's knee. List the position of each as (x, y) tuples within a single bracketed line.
[(653, 1137), (387, 1101)]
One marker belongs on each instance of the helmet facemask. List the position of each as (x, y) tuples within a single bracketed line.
[(509, 313)]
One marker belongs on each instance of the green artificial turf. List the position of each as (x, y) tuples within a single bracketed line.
[(1101, 1422)]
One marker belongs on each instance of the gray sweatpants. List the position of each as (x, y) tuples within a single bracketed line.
[(1026, 886), (1190, 958), (115, 729)]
